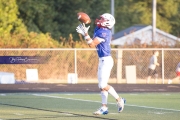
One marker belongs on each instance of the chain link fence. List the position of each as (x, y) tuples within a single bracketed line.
[(84, 62)]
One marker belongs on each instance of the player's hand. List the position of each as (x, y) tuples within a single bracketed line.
[(82, 29)]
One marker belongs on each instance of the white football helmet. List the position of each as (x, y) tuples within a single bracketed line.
[(106, 20)]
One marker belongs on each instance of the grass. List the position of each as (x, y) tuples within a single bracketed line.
[(79, 106)]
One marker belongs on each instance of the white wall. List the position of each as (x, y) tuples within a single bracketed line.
[(145, 37)]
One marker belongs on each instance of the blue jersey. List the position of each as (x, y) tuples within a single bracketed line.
[(103, 48)]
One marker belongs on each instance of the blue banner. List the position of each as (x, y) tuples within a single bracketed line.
[(23, 59)]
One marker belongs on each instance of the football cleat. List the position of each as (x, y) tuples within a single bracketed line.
[(101, 111), (120, 105)]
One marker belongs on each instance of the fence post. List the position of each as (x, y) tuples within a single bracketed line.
[(75, 61), (162, 65), (119, 65)]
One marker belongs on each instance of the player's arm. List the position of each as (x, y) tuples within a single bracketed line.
[(82, 29), (155, 61), (92, 42), (178, 67)]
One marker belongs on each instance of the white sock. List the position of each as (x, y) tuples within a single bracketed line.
[(113, 92), (104, 96)]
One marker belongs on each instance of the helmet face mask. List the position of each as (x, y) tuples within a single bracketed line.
[(105, 20)]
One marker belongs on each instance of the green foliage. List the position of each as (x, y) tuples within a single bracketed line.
[(57, 19), (39, 40), (140, 12), (39, 16), (71, 43), (9, 21), (27, 40)]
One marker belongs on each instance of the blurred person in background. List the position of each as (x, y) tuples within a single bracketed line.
[(152, 69), (177, 73)]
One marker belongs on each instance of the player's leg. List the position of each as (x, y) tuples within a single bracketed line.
[(103, 109), (155, 76), (103, 84), (170, 81), (149, 75), (102, 80), (178, 76), (148, 79), (120, 101), (104, 94)]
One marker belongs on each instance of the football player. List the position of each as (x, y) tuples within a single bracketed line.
[(177, 73), (101, 40), (152, 70)]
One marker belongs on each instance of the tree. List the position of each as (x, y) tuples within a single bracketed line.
[(140, 12), (9, 22), (39, 16), (58, 17)]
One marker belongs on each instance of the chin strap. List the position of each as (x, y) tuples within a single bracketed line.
[(99, 23)]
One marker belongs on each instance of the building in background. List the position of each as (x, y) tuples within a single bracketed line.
[(142, 34)]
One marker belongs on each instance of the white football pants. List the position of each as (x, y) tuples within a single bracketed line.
[(104, 70)]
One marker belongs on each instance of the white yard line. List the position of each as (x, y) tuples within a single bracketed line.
[(40, 95), (19, 114)]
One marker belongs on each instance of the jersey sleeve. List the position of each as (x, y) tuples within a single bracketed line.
[(102, 35)]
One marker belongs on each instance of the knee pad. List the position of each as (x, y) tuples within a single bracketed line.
[(102, 85)]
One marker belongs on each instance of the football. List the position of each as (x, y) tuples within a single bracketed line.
[(83, 18)]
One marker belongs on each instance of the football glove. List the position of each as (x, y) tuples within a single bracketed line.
[(82, 29)]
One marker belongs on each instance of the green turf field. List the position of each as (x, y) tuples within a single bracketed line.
[(79, 106)]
